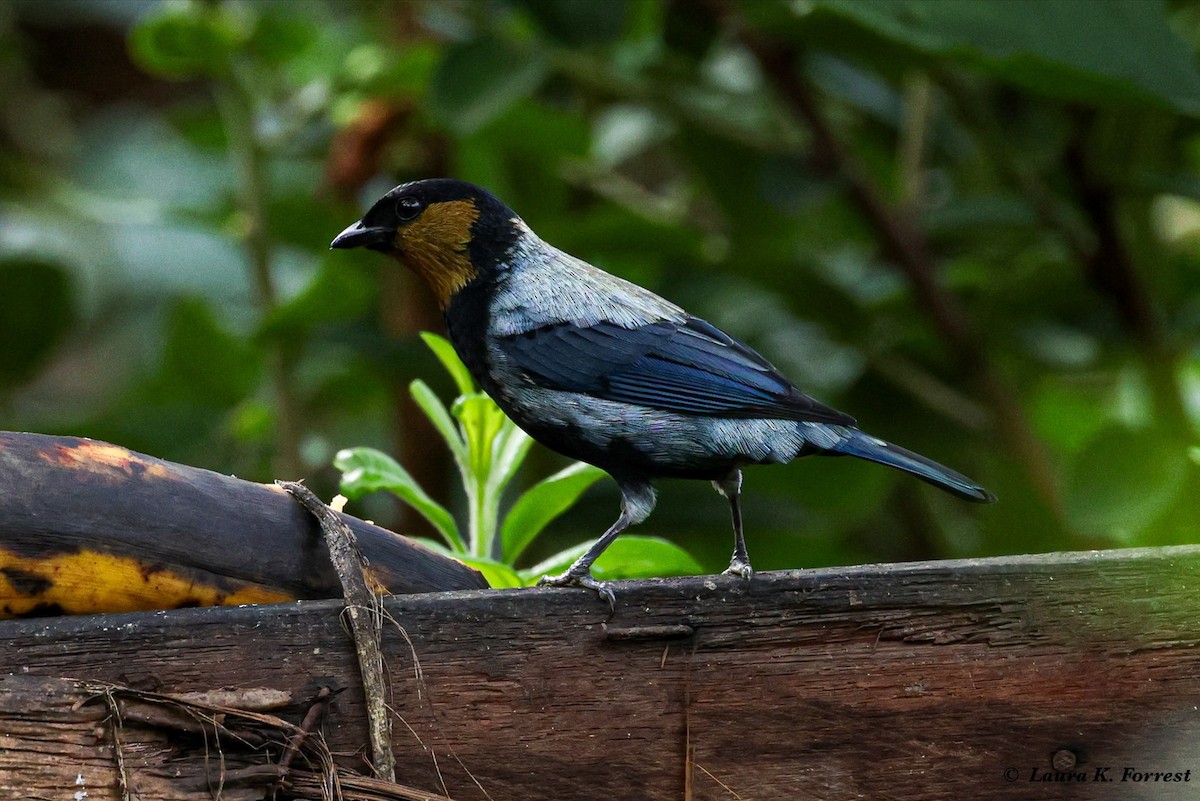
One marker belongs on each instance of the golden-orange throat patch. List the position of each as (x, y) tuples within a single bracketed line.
[(435, 246)]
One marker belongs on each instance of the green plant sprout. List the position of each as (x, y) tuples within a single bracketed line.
[(489, 450)]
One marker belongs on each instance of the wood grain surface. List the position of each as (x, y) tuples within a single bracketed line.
[(916, 681)]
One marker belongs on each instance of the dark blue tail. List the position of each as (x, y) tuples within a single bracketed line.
[(864, 446)]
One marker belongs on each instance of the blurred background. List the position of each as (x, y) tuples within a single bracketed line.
[(973, 225)]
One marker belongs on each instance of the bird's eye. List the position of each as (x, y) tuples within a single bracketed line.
[(408, 207)]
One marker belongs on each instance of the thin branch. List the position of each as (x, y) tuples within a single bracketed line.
[(237, 112), (931, 391), (902, 240), (1095, 241), (1110, 269), (906, 246), (1048, 208), (914, 135)]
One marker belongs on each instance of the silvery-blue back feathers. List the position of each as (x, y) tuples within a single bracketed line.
[(674, 395), (606, 371)]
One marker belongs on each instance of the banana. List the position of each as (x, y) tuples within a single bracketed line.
[(90, 527)]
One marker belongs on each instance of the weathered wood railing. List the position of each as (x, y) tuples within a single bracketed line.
[(948, 680)]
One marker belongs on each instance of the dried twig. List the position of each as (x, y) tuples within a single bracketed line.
[(362, 610), (361, 788), (115, 721), (311, 720), (190, 714)]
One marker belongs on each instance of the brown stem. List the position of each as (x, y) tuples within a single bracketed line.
[(1110, 269), (356, 151), (1045, 204), (1097, 244), (914, 133), (236, 107), (905, 244)]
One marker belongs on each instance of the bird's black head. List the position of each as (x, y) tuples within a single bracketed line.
[(448, 231)]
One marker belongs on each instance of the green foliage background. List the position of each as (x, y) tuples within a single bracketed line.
[(974, 225)]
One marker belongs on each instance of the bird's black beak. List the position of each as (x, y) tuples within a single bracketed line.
[(361, 236)]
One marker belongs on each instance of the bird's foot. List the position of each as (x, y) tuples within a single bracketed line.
[(581, 579), (739, 567)]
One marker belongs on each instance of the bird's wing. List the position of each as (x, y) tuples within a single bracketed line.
[(689, 367)]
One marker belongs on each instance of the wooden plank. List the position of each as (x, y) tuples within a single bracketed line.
[(918, 681), (63, 738), (57, 740)]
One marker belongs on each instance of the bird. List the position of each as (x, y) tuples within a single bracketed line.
[(605, 371)]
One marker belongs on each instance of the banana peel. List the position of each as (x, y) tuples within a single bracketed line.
[(89, 527)]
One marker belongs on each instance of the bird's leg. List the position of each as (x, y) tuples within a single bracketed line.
[(730, 488), (579, 574), (637, 502)]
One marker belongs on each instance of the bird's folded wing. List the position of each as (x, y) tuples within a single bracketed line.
[(689, 367)]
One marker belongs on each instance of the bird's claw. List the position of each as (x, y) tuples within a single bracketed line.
[(585, 579), (739, 567)]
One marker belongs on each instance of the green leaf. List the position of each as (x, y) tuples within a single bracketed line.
[(580, 22), (1122, 481), (481, 78), (436, 411), (1066, 415), (36, 312), (481, 422), (508, 453), (434, 545), (553, 565), (499, 576), (446, 354), (1119, 50), (281, 36), (182, 40), (367, 470), (335, 293), (202, 362), (542, 503), (631, 556), (637, 556)]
